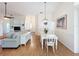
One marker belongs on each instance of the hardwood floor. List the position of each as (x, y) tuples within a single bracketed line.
[(36, 50)]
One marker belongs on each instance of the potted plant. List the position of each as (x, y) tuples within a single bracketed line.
[(45, 30)]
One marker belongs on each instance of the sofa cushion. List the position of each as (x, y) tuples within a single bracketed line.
[(11, 35), (14, 36)]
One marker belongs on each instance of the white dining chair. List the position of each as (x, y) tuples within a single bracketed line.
[(52, 41)]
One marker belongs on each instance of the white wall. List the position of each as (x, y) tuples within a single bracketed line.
[(6, 25), (1, 28), (66, 36), (18, 21), (76, 29)]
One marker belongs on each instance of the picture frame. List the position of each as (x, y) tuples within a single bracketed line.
[(62, 22)]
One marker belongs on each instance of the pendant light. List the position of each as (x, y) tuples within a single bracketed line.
[(5, 16), (45, 19)]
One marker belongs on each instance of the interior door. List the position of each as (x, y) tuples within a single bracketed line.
[(30, 23)]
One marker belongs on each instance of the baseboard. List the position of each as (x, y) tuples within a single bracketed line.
[(66, 47)]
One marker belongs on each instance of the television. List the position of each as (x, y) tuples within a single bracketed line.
[(17, 28)]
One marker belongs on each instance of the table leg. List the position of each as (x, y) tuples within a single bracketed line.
[(53, 48), (56, 44), (42, 44)]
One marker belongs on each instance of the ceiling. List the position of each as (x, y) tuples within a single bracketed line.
[(26, 8)]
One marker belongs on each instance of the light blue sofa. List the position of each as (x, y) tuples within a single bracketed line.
[(12, 41), (25, 37)]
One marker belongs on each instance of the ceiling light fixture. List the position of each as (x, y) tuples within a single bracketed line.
[(45, 11), (5, 16)]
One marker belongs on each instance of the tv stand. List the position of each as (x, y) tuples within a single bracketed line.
[(16, 31)]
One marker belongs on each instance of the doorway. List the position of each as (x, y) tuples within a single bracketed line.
[(30, 23)]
